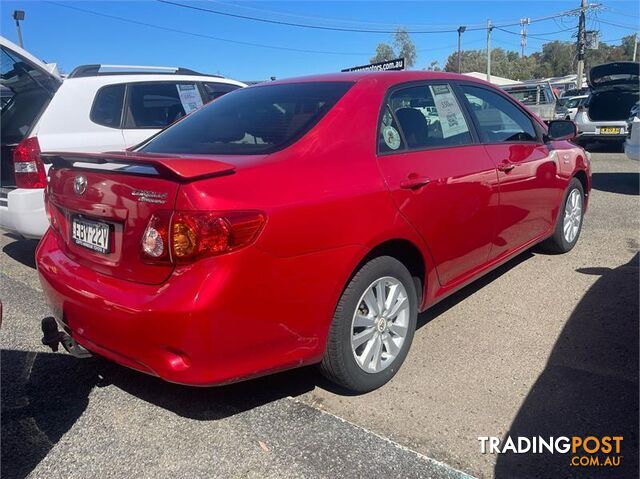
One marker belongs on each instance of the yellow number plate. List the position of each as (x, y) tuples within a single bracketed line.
[(609, 131)]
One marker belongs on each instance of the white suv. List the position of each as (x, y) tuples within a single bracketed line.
[(96, 108)]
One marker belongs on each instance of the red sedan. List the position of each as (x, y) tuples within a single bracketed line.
[(301, 221)]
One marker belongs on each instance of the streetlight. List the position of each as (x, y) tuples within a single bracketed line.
[(18, 16), (461, 30)]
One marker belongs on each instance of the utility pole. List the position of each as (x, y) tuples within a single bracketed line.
[(489, 29), (461, 30), (581, 44), (523, 32), (635, 46), (18, 16)]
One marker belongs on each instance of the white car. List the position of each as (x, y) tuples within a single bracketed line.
[(96, 108), (614, 90), (632, 143), (570, 107)]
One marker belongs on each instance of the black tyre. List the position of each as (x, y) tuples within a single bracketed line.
[(569, 222), (373, 326)]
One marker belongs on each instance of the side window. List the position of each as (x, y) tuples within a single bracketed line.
[(107, 106), (429, 116), (156, 105), (498, 119), (215, 90)]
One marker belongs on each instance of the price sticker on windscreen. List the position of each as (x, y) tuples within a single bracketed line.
[(450, 115), (189, 97)]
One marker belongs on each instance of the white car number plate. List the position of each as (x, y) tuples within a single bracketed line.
[(90, 234)]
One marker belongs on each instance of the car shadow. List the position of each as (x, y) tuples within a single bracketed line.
[(589, 386), (41, 397), (622, 183), (443, 306), (44, 394), (605, 147), (22, 250)]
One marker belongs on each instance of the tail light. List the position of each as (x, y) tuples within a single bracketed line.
[(188, 236), (28, 167)]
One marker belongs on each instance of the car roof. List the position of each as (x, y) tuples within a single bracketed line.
[(387, 77), (146, 78)]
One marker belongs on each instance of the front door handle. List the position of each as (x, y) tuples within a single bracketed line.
[(414, 181), (506, 166)]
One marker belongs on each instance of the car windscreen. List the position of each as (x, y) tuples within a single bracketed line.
[(529, 96), (255, 120)]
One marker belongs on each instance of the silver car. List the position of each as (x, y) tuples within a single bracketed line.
[(538, 97), (614, 90)]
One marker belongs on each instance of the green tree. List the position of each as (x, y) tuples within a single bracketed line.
[(404, 48), (434, 66), (384, 52)]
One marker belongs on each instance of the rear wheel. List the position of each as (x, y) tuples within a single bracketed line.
[(569, 222), (373, 326)]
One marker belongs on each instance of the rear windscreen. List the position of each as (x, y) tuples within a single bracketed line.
[(30, 91), (252, 120)]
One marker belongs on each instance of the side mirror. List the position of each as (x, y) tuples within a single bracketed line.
[(562, 130)]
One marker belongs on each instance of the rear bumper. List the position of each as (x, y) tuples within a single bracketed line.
[(591, 131), (22, 211), (214, 322)]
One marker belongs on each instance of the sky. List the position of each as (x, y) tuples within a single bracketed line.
[(58, 31)]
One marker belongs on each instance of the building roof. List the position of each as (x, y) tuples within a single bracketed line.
[(496, 80)]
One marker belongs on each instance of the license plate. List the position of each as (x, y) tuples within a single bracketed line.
[(89, 234), (610, 131)]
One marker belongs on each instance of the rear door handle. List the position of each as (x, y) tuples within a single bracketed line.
[(413, 182), (506, 166)]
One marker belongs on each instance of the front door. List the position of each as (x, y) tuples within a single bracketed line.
[(530, 189), (440, 178)]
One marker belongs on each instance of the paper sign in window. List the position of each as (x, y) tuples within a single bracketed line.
[(450, 115), (189, 97)]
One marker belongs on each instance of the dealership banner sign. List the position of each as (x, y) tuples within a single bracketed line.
[(395, 64)]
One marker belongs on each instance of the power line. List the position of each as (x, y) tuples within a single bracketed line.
[(202, 35), (340, 29), (618, 24)]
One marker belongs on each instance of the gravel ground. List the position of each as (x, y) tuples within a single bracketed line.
[(545, 345)]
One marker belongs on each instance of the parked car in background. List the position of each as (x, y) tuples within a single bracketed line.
[(538, 97), (614, 91), (570, 107), (301, 221), (632, 143), (96, 108)]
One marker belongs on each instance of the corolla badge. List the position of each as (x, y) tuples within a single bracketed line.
[(147, 196), (80, 184)]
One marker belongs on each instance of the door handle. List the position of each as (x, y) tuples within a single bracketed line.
[(413, 182), (506, 166)]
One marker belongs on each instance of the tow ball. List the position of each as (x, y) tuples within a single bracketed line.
[(53, 337)]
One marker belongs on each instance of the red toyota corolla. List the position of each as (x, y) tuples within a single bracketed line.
[(299, 222)]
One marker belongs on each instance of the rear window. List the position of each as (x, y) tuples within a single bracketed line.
[(107, 107), (529, 96), (26, 91), (214, 90), (253, 120), (156, 105)]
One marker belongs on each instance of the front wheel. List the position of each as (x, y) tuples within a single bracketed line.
[(569, 224), (373, 326)]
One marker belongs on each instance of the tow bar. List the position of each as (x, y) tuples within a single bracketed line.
[(53, 337)]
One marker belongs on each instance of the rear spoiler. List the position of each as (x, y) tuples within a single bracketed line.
[(177, 168)]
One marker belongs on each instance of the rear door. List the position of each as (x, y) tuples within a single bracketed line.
[(530, 189), (152, 106), (442, 180), (31, 84)]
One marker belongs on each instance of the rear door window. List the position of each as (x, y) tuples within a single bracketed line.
[(215, 90), (499, 120), (429, 117), (260, 119), (157, 105), (107, 107)]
